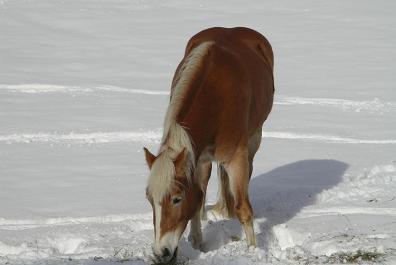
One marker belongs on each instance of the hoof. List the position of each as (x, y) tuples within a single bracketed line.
[(196, 241)]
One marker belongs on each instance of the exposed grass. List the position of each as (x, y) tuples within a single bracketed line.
[(235, 238), (175, 262), (178, 260), (127, 253), (123, 254), (356, 257)]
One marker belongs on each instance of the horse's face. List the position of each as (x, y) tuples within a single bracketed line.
[(172, 211)]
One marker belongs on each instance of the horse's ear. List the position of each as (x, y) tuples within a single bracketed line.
[(180, 161), (150, 158)]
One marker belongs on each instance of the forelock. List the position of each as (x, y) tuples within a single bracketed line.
[(161, 176)]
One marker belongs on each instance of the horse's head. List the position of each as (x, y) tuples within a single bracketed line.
[(175, 198)]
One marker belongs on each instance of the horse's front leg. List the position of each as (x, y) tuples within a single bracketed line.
[(195, 236), (202, 175)]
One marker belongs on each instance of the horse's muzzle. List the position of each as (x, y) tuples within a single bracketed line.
[(166, 256)]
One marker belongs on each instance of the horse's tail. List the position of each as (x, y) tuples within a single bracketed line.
[(225, 202)]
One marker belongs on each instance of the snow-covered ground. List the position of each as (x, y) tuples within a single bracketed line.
[(84, 86)]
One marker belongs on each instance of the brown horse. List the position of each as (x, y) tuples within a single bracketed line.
[(222, 92)]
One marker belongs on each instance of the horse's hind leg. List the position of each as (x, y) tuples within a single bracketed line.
[(238, 169), (254, 144)]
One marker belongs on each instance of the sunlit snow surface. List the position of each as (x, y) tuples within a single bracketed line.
[(84, 86)]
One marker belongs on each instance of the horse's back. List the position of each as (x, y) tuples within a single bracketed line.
[(235, 86)]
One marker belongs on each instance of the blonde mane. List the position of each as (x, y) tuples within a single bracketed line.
[(175, 138)]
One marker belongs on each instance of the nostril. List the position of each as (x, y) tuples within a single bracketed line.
[(166, 252)]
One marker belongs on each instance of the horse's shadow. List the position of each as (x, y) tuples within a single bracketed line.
[(276, 197)]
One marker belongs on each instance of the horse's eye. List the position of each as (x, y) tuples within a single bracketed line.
[(176, 200)]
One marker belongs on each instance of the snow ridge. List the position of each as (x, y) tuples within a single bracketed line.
[(372, 106), (325, 138), (83, 138), (49, 88), (140, 221), (154, 136)]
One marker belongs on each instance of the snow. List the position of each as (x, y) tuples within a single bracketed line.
[(84, 86)]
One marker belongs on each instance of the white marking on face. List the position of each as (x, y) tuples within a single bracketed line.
[(170, 240), (157, 211)]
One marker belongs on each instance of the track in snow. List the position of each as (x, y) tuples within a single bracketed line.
[(371, 106), (139, 221), (154, 136)]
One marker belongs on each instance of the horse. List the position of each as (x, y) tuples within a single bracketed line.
[(221, 94)]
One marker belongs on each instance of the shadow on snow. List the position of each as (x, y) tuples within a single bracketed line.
[(277, 196)]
